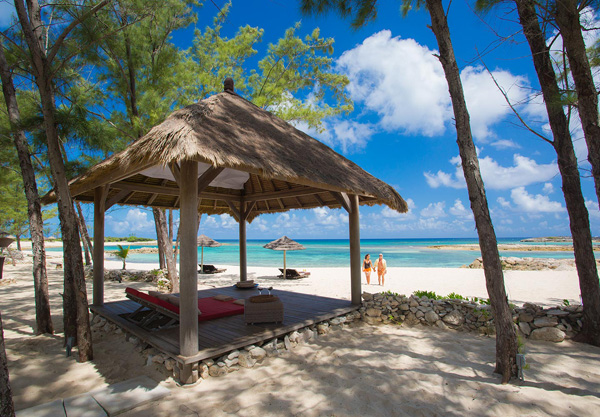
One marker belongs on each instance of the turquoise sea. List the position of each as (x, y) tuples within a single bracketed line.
[(335, 253)]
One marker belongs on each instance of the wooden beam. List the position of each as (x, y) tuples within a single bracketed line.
[(355, 261), (112, 177), (242, 237), (249, 208), (208, 176), (157, 189), (174, 167), (343, 199), (235, 211), (115, 199), (188, 265), (294, 192), (100, 194), (319, 199), (153, 196)]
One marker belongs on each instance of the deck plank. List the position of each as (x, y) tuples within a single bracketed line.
[(222, 335)]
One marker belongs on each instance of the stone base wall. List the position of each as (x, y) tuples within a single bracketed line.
[(128, 275), (533, 321)]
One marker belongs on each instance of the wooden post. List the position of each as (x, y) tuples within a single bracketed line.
[(99, 209), (243, 258), (355, 264), (188, 268)]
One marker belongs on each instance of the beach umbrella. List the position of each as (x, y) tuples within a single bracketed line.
[(284, 243), (206, 242)]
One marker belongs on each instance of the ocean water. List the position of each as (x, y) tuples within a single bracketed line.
[(335, 253)]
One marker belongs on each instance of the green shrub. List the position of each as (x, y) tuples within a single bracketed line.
[(429, 294), (455, 296)]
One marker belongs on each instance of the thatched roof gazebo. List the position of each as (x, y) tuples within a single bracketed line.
[(225, 155)]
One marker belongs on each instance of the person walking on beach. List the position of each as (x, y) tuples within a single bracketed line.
[(367, 267), (381, 266)]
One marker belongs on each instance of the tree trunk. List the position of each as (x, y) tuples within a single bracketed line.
[(18, 238), (75, 293), (85, 237), (34, 210), (567, 164), (168, 251), (506, 339), (567, 18), (159, 239), (7, 407)]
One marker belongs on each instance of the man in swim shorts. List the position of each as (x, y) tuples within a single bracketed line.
[(381, 266)]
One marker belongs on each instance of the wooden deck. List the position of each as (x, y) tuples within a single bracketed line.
[(219, 336)]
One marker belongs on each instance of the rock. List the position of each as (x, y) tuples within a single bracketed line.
[(203, 370), (525, 318), (431, 317), (158, 359), (322, 328), (557, 312), (258, 353), (208, 362), (549, 334), (337, 321), (525, 328), (233, 354), (404, 307), (170, 364), (308, 335), (366, 296), (441, 325), (413, 303), (545, 321), (231, 362), (217, 370), (419, 314), (294, 336), (287, 343), (411, 319), (372, 320), (246, 360), (455, 318), (373, 312)]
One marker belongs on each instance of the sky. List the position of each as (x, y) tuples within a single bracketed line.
[(402, 130)]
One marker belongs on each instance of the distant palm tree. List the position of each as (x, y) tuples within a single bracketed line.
[(122, 253)]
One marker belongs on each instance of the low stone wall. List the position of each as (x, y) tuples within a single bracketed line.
[(535, 322), (120, 275)]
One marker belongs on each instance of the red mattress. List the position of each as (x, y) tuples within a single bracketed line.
[(210, 308)]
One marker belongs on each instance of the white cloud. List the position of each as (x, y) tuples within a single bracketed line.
[(459, 210), (227, 221), (505, 144), (503, 203), (401, 81), (525, 171), (592, 207), (534, 203), (135, 220), (548, 188), (388, 213), (404, 83), (434, 210), (260, 224), (485, 102), (329, 218)]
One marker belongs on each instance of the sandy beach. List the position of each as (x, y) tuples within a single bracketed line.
[(358, 370)]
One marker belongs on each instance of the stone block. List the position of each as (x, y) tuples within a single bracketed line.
[(548, 334), (545, 321)]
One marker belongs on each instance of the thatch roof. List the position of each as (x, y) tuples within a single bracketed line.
[(206, 242), (267, 160), (284, 243)]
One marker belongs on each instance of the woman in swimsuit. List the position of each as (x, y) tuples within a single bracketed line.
[(367, 267)]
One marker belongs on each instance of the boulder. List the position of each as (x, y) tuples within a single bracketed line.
[(548, 334), (373, 312), (431, 317), (557, 312), (246, 360), (525, 328), (217, 370), (454, 318), (545, 321), (366, 296), (258, 353), (525, 317)]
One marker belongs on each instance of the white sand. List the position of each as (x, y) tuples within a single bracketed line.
[(363, 370)]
